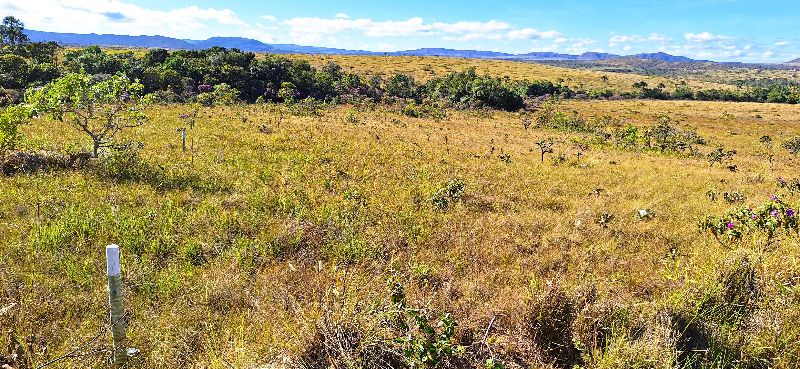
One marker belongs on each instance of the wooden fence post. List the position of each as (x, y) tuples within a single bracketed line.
[(116, 306)]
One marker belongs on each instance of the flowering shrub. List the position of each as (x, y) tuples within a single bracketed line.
[(769, 220)]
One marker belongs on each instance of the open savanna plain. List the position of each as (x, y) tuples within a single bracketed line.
[(354, 236), (425, 68)]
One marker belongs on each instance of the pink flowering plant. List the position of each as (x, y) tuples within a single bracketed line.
[(772, 219)]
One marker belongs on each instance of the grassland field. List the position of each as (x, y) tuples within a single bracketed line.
[(272, 240)]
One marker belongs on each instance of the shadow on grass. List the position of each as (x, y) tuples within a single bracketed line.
[(126, 166)]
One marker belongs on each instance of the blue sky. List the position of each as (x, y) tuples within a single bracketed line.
[(723, 30)]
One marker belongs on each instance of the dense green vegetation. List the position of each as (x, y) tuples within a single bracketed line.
[(183, 75)]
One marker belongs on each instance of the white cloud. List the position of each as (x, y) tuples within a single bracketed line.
[(268, 17), (471, 27), (120, 17), (342, 16), (533, 34), (580, 46), (657, 37), (310, 28), (703, 37), (781, 43), (305, 29), (617, 40)]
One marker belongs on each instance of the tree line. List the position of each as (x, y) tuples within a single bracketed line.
[(222, 75)]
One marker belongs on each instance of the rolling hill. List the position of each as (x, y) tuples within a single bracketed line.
[(246, 44)]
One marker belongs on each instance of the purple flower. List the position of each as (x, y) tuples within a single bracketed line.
[(204, 88), (774, 197), (774, 213), (755, 216), (790, 213), (729, 225)]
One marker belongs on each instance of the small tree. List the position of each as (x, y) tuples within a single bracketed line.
[(768, 152), (545, 146), (101, 109), (12, 32)]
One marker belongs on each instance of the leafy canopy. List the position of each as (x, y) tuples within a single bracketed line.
[(10, 119), (100, 109)]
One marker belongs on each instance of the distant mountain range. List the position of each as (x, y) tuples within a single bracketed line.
[(796, 61), (246, 44)]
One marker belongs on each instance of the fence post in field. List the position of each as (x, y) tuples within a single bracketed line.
[(182, 131), (116, 306)]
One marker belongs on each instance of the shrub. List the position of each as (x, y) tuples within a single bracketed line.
[(720, 156), (10, 120), (765, 222), (466, 89), (665, 137), (545, 147), (402, 86), (13, 71), (447, 195), (626, 137), (734, 197), (793, 146), (288, 92), (424, 341), (224, 94), (424, 110), (792, 185), (683, 93)]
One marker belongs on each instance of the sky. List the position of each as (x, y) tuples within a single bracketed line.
[(720, 30)]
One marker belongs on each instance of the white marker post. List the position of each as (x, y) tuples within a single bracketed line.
[(116, 306)]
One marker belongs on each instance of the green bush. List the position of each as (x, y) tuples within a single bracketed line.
[(447, 195), (424, 110), (402, 86), (10, 120), (468, 90), (424, 341), (13, 71)]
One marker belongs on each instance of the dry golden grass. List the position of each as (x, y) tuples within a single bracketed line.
[(317, 212), (424, 68)]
